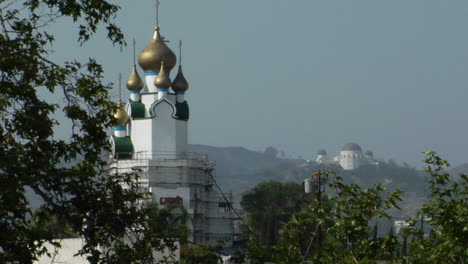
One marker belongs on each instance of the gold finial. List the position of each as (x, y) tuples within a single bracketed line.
[(134, 51), (162, 80), (180, 52), (121, 115), (156, 51), (157, 13), (120, 87), (134, 82)]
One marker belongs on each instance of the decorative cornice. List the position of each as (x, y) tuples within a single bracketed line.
[(160, 101)]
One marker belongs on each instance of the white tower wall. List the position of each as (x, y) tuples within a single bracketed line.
[(182, 136), (150, 83), (141, 135), (148, 99), (164, 128), (160, 132)]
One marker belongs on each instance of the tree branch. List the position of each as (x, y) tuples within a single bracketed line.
[(2, 21)]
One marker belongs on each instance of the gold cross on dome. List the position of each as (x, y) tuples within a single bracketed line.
[(120, 87), (157, 12)]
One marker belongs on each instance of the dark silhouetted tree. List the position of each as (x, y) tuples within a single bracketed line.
[(70, 176)]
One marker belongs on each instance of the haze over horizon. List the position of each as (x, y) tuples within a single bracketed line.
[(302, 75)]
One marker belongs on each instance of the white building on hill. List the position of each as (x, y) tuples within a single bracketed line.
[(350, 157), (152, 135)]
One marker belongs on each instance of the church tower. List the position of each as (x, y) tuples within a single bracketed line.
[(152, 135)]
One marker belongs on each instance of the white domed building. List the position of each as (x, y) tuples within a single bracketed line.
[(350, 157), (322, 157)]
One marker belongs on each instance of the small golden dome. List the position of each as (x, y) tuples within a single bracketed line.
[(134, 82), (162, 80), (151, 57), (180, 84), (121, 115)]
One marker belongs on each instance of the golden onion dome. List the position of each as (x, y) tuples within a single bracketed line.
[(162, 80), (121, 115), (151, 57), (180, 84), (134, 82)]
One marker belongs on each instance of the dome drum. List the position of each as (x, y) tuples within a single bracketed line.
[(135, 96)]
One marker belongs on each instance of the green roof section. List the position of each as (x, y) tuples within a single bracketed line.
[(123, 147), (182, 111), (137, 109)]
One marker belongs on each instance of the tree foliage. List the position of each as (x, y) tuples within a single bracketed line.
[(69, 175), (199, 254), (349, 225), (344, 222), (270, 204), (347, 221), (47, 225), (447, 213)]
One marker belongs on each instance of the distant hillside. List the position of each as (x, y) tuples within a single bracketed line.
[(456, 171), (239, 169), (237, 159)]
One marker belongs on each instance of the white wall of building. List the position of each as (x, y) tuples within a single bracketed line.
[(182, 136), (350, 160), (164, 128), (71, 246), (160, 131), (148, 99), (141, 134)]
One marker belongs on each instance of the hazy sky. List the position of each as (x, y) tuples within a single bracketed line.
[(302, 75)]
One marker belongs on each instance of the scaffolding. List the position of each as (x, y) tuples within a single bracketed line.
[(170, 172)]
